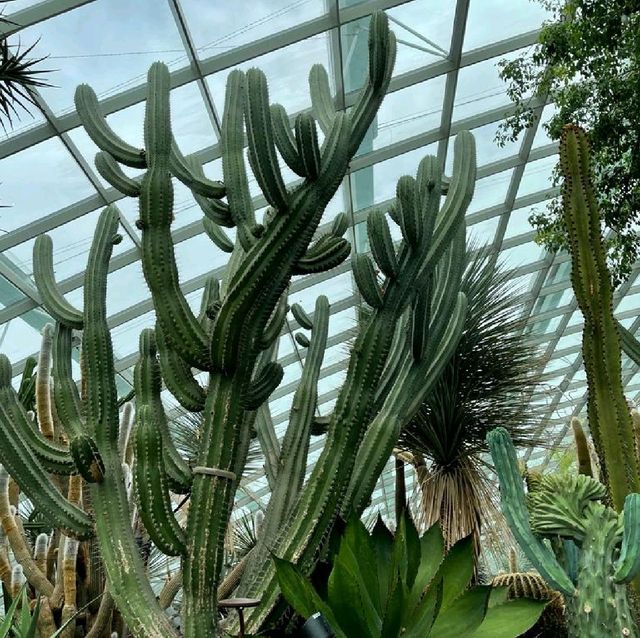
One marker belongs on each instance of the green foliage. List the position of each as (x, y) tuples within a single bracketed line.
[(587, 61), (20, 621), (384, 585)]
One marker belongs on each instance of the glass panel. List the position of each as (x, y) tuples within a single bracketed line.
[(403, 114), (125, 336), (9, 294), (218, 27), (110, 56), (521, 255), (490, 191), (71, 244), (287, 72), (39, 181), (125, 287), (414, 50), (18, 340), (198, 256), (537, 176), (483, 232), (489, 21), (542, 137), (479, 89)]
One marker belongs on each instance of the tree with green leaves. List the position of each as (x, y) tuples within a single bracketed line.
[(587, 63)]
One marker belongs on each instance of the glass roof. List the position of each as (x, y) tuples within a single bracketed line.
[(445, 80)]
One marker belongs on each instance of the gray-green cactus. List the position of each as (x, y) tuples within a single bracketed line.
[(415, 320), (569, 508)]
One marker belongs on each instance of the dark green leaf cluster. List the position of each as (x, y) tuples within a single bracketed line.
[(385, 585), (587, 62)]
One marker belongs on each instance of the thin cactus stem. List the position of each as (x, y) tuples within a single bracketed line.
[(610, 421), (43, 384)]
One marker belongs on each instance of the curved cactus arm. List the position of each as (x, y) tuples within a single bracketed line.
[(285, 140), (177, 376), (409, 210), (382, 56), (630, 345), (262, 150), (382, 248), (180, 325), (148, 386), (27, 470), (515, 511), (306, 136), (191, 175), (100, 132), (366, 280), (628, 564), (214, 209), (266, 380), (326, 253), (54, 457), (111, 172), (217, 235), (322, 105), (65, 392), (276, 322), (21, 552), (151, 486), (128, 583), (210, 297), (233, 167), (53, 300)]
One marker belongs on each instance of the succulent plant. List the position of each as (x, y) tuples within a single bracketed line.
[(568, 508)]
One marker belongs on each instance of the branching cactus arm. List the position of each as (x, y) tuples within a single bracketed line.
[(515, 510)]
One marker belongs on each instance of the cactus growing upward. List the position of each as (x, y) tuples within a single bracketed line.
[(416, 319), (609, 557), (610, 420)]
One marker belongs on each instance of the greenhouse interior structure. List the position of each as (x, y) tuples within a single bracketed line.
[(320, 318)]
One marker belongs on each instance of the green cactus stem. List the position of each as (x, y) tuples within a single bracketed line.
[(582, 448), (610, 421), (326, 490), (569, 508)]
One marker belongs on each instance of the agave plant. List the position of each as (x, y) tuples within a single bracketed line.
[(383, 586), (486, 383)]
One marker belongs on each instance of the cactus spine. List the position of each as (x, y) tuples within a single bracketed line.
[(610, 421), (609, 555)]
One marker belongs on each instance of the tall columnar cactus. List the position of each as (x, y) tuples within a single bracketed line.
[(569, 508), (610, 421), (416, 318)]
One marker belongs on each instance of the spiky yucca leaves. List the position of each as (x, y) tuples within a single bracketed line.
[(485, 384)]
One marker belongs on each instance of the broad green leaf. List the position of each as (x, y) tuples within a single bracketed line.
[(359, 551), (431, 555), (398, 561), (382, 540), (421, 620), (464, 615), (499, 596), (412, 540), (456, 570), (350, 602), (510, 619), (33, 623), (300, 594), (395, 609)]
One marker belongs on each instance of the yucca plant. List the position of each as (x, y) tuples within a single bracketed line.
[(486, 383)]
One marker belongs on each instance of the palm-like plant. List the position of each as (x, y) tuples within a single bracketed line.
[(18, 77), (486, 384)]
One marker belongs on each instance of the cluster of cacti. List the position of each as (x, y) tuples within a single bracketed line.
[(595, 552), (56, 565), (416, 318), (610, 420)]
